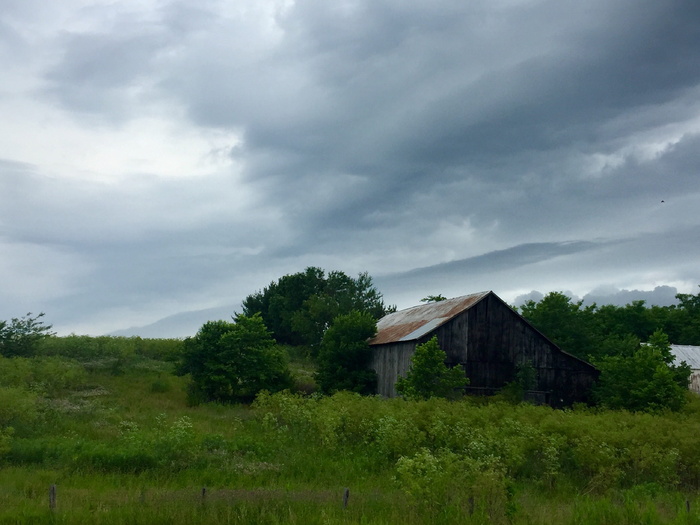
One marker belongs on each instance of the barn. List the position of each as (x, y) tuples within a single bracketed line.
[(490, 340), (691, 355)]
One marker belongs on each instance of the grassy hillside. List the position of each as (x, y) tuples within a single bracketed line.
[(111, 429)]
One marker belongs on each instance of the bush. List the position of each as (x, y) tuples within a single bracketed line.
[(17, 406), (440, 482), (429, 376), (344, 356), (643, 378)]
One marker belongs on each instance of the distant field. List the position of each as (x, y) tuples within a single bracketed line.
[(110, 427)]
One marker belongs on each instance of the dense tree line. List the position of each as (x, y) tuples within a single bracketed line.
[(591, 332)]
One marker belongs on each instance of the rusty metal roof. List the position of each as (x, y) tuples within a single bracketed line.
[(415, 322)]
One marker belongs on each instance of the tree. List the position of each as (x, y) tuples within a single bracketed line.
[(428, 375), (299, 308), (234, 361), (568, 324), (20, 337), (433, 298), (642, 377), (278, 302), (687, 319), (344, 355)]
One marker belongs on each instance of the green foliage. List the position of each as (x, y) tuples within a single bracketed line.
[(161, 386), (345, 354), (433, 298), (684, 321), (234, 361), (428, 375), (591, 451), (17, 406), (525, 380), (299, 308), (5, 440), (86, 348), (21, 336), (566, 323), (586, 331), (643, 378), (49, 376), (438, 482), (122, 455)]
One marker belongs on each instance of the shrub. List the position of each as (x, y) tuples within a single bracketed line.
[(438, 482), (429, 376), (234, 361), (17, 405), (643, 378), (344, 355)]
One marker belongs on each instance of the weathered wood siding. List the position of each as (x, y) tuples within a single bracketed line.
[(694, 381), (501, 340), (490, 341), (391, 361)]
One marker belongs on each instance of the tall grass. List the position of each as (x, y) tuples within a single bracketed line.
[(126, 448)]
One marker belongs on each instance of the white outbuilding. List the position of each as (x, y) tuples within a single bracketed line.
[(691, 355)]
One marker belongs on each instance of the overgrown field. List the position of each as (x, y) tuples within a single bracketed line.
[(108, 424)]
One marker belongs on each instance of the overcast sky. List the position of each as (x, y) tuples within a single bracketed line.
[(165, 156)]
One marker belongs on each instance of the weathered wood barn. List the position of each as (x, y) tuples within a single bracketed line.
[(490, 340)]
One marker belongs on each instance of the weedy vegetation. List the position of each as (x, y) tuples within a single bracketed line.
[(107, 422), (106, 430)]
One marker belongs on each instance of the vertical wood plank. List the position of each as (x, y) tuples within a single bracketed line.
[(52, 497)]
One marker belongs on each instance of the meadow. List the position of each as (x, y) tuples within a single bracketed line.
[(106, 422)]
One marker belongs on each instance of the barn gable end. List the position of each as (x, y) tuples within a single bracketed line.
[(481, 333)]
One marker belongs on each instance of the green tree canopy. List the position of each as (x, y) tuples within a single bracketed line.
[(568, 324), (344, 356), (429, 376), (299, 308), (234, 361), (642, 377), (585, 331)]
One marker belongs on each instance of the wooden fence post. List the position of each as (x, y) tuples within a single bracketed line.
[(52, 497), (346, 497)]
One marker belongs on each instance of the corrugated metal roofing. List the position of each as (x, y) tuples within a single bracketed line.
[(413, 323), (689, 354)]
